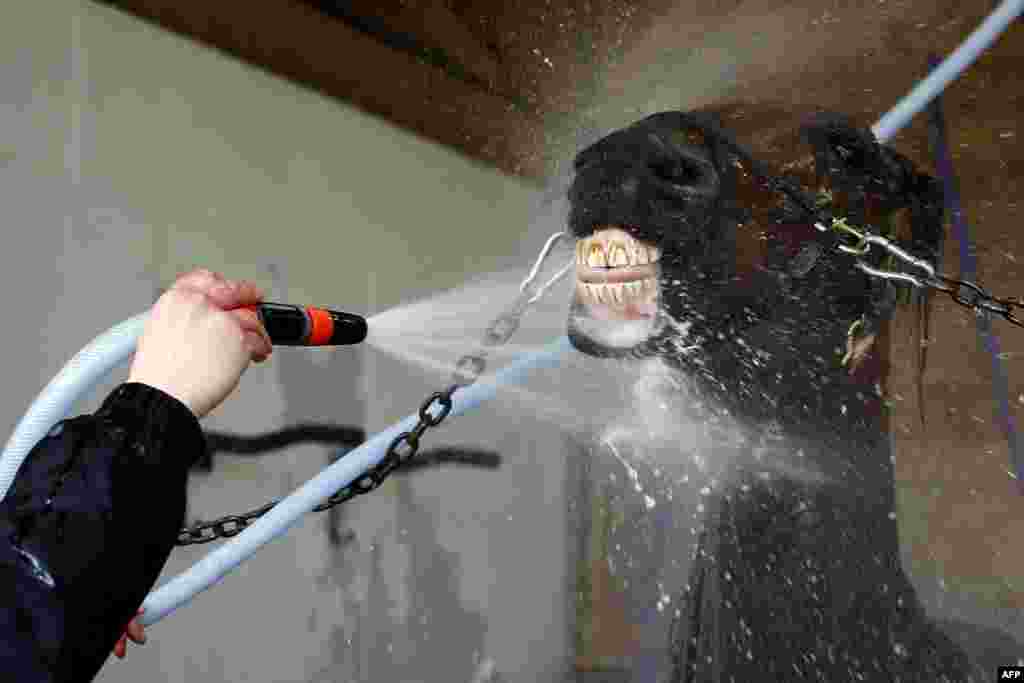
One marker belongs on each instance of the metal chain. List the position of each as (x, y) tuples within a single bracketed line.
[(232, 525), (965, 293), (467, 370)]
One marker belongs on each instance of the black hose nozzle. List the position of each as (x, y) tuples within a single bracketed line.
[(310, 326)]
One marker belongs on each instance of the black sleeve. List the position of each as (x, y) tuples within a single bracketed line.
[(86, 529)]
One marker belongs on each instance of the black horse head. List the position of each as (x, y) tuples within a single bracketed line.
[(691, 249)]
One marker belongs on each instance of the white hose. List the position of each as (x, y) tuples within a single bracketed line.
[(965, 55), (107, 351), (78, 376), (282, 516)]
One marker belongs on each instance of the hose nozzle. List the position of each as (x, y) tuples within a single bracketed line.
[(290, 325)]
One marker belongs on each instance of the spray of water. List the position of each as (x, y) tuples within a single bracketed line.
[(642, 413), (433, 333)]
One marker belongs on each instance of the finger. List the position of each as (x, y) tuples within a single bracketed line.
[(248, 293), (121, 647), (137, 632), (202, 279), (234, 294), (260, 349), (225, 293)]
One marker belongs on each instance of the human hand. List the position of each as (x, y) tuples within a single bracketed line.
[(198, 340), (135, 631)]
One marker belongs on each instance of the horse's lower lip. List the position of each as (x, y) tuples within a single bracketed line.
[(622, 312)]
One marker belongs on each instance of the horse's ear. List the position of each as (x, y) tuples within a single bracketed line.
[(847, 154)]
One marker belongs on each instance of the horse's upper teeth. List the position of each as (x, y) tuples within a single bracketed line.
[(597, 253), (617, 255)]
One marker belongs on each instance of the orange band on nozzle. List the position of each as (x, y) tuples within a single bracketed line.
[(290, 325), (321, 326)]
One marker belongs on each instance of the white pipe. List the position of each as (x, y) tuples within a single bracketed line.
[(965, 55), (78, 376), (282, 516), (107, 351)]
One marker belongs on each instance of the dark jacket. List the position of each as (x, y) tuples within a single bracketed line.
[(86, 529)]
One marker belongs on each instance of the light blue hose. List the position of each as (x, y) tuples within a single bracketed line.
[(282, 516), (965, 55), (109, 350), (78, 377), (94, 362)]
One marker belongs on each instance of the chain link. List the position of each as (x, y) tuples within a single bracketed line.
[(965, 293), (232, 525), (467, 370)]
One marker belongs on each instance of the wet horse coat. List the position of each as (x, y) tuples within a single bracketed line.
[(797, 574)]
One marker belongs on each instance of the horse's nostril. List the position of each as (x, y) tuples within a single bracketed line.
[(678, 172)]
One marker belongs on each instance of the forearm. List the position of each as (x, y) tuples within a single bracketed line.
[(98, 503)]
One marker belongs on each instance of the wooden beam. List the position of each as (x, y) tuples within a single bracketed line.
[(436, 26), (295, 41)]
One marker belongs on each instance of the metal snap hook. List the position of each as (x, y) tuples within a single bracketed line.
[(544, 253)]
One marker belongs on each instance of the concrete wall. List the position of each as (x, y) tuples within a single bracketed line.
[(128, 155)]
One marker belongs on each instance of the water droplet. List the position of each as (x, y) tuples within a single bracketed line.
[(39, 571)]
